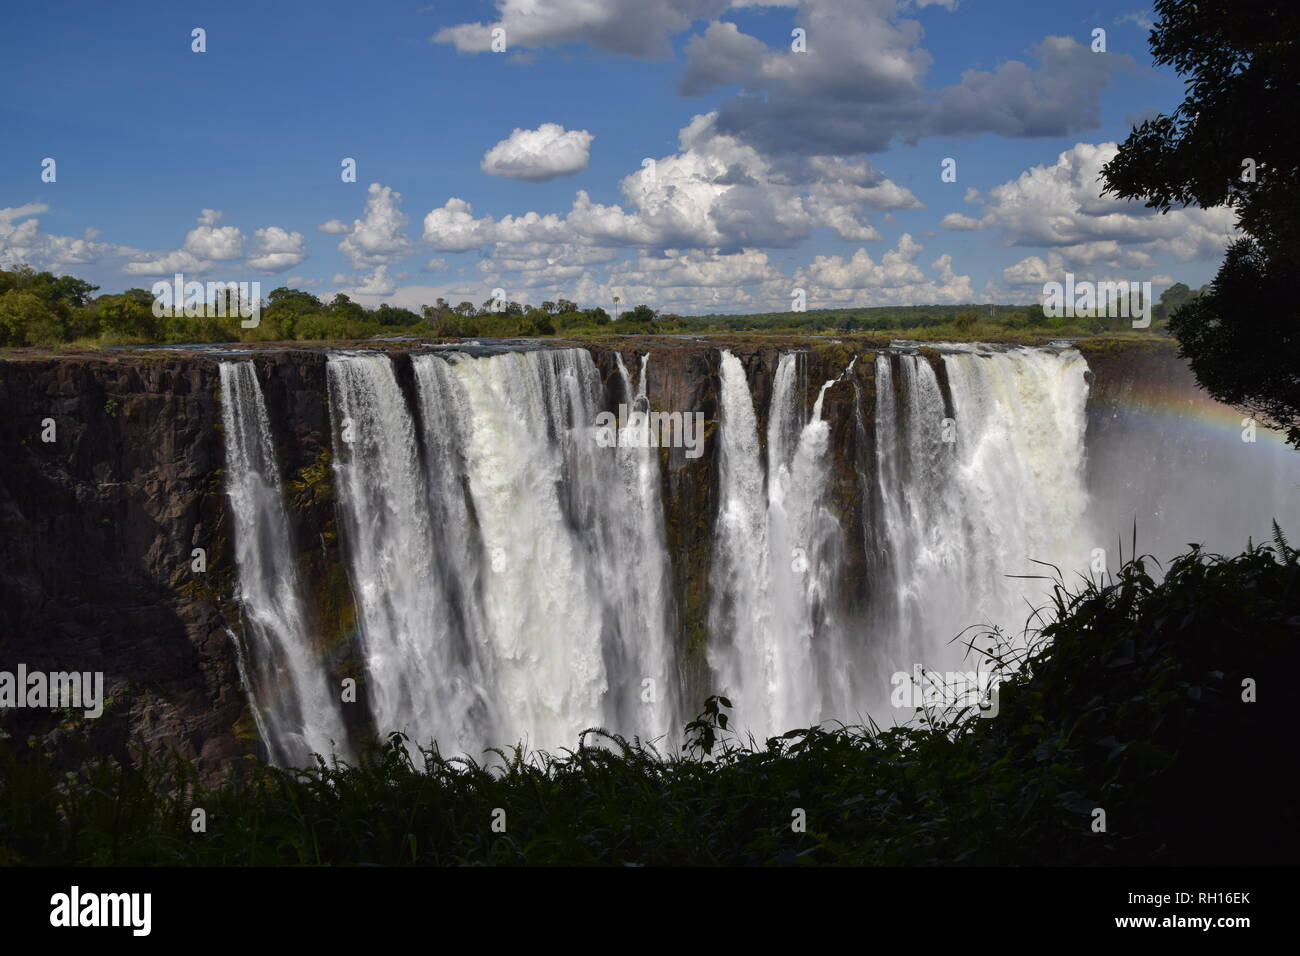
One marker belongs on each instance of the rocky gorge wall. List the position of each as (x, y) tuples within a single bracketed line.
[(99, 526)]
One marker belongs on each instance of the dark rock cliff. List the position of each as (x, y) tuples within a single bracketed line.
[(99, 525)]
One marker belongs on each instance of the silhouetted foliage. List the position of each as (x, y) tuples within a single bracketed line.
[(1227, 144), (1240, 337), (1129, 699)]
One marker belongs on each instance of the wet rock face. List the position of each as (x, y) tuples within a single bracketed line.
[(684, 378), (98, 527)]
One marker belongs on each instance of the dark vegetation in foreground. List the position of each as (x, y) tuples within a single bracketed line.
[(1130, 700)]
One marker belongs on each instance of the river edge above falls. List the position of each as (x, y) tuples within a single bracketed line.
[(102, 522)]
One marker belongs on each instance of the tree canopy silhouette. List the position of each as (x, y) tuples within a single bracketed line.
[(1231, 143)]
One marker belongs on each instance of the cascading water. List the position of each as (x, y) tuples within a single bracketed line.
[(296, 711), (970, 499), (776, 651), (414, 684), (738, 616), (964, 501), (541, 631), (639, 573), (513, 578), (510, 568)]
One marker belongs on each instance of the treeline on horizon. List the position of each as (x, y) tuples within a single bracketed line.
[(44, 309)]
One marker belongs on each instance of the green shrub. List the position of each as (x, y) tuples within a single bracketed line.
[(1130, 699)]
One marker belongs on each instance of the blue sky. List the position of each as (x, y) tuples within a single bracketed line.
[(773, 168)]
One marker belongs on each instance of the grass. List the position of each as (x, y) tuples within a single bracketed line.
[(1131, 699)]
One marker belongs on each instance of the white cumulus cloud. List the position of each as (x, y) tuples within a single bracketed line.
[(22, 242), (717, 192), (538, 155), (207, 240), (377, 238), (636, 28), (277, 249), (1061, 205)]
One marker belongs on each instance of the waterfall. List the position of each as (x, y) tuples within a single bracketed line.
[(416, 683), (293, 705), (509, 563), (511, 571), (968, 489), (972, 497), (739, 652), (775, 649), (638, 566)]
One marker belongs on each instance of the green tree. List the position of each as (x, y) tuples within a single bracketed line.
[(27, 319), (293, 302), (451, 325), (129, 315), (285, 307), (570, 320), (344, 307), (1227, 144), (1171, 300), (641, 315), (536, 322), (70, 290), (1241, 339), (63, 312), (389, 315)]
